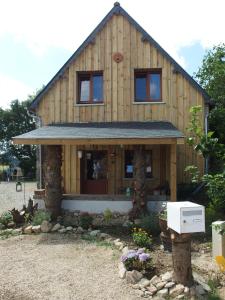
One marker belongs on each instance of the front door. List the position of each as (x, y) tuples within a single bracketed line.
[(94, 172)]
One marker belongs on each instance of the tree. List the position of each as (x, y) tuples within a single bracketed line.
[(207, 146), (15, 121), (211, 76)]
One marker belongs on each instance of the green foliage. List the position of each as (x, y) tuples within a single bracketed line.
[(211, 76), (86, 220), (204, 144), (40, 216), (4, 234), (193, 171), (107, 215), (5, 218), (150, 223), (213, 295), (141, 238), (95, 240), (163, 214), (215, 185), (208, 146), (15, 121)]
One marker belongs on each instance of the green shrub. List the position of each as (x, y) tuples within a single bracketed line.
[(215, 185), (211, 215), (141, 238), (150, 223), (6, 217), (86, 220), (40, 216), (107, 215)]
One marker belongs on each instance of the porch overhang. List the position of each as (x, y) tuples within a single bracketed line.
[(103, 133)]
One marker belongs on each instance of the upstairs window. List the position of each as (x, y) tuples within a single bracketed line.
[(129, 163), (148, 85), (90, 87)]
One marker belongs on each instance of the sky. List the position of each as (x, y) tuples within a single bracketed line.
[(38, 36)]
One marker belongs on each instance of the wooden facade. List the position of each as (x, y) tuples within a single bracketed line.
[(60, 104)]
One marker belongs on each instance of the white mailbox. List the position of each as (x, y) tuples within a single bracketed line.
[(185, 217)]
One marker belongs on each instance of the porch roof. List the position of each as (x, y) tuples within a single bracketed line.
[(103, 133)]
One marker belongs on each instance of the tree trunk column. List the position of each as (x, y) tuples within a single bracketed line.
[(181, 255), (173, 172), (53, 188), (139, 176)]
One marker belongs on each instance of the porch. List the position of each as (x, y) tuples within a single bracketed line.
[(96, 162)]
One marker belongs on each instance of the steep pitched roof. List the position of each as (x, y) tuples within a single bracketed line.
[(117, 9)]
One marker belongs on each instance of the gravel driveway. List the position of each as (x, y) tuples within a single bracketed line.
[(10, 198), (54, 266)]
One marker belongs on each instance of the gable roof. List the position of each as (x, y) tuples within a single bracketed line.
[(118, 10)]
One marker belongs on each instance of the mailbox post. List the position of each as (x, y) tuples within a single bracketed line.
[(184, 218)]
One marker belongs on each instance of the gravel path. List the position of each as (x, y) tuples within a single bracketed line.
[(9, 198), (59, 267)]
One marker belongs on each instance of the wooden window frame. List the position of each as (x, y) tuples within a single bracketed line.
[(124, 166), (148, 73), (89, 74)]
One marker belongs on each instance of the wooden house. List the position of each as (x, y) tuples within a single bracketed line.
[(119, 90)]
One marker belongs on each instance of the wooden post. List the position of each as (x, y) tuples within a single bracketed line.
[(53, 187), (139, 180), (173, 172), (181, 255)]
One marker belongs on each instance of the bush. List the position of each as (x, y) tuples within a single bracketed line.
[(211, 215), (40, 216), (215, 185), (107, 215), (86, 220), (150, 223), (141, 237), (137, 260), (6, 217)]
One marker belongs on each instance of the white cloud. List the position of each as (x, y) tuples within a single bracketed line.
[(41, 24), (11, 89), (66, 23)]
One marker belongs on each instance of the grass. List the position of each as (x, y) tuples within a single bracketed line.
[(5, 234), (213, 295), (101, 243)]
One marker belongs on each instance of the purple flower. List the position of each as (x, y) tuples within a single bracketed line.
[(143, 256), (140, 251), (123, 258), (132, 255)]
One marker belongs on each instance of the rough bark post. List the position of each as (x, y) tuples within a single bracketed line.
[(53, 188), (173, 172), (139, 180), (181, 255)]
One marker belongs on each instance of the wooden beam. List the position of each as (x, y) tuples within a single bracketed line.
[(132, 141), (173, 172)]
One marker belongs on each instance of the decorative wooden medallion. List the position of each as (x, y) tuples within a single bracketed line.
[(117, 57)]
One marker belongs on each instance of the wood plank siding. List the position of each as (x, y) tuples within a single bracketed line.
[(59, 103)]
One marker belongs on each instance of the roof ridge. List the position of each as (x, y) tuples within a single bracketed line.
[(117, 9)]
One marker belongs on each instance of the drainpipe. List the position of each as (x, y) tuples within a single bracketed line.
[(38, 122), (206, 132)]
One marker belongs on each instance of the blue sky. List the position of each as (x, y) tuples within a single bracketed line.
[(37, 37)]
